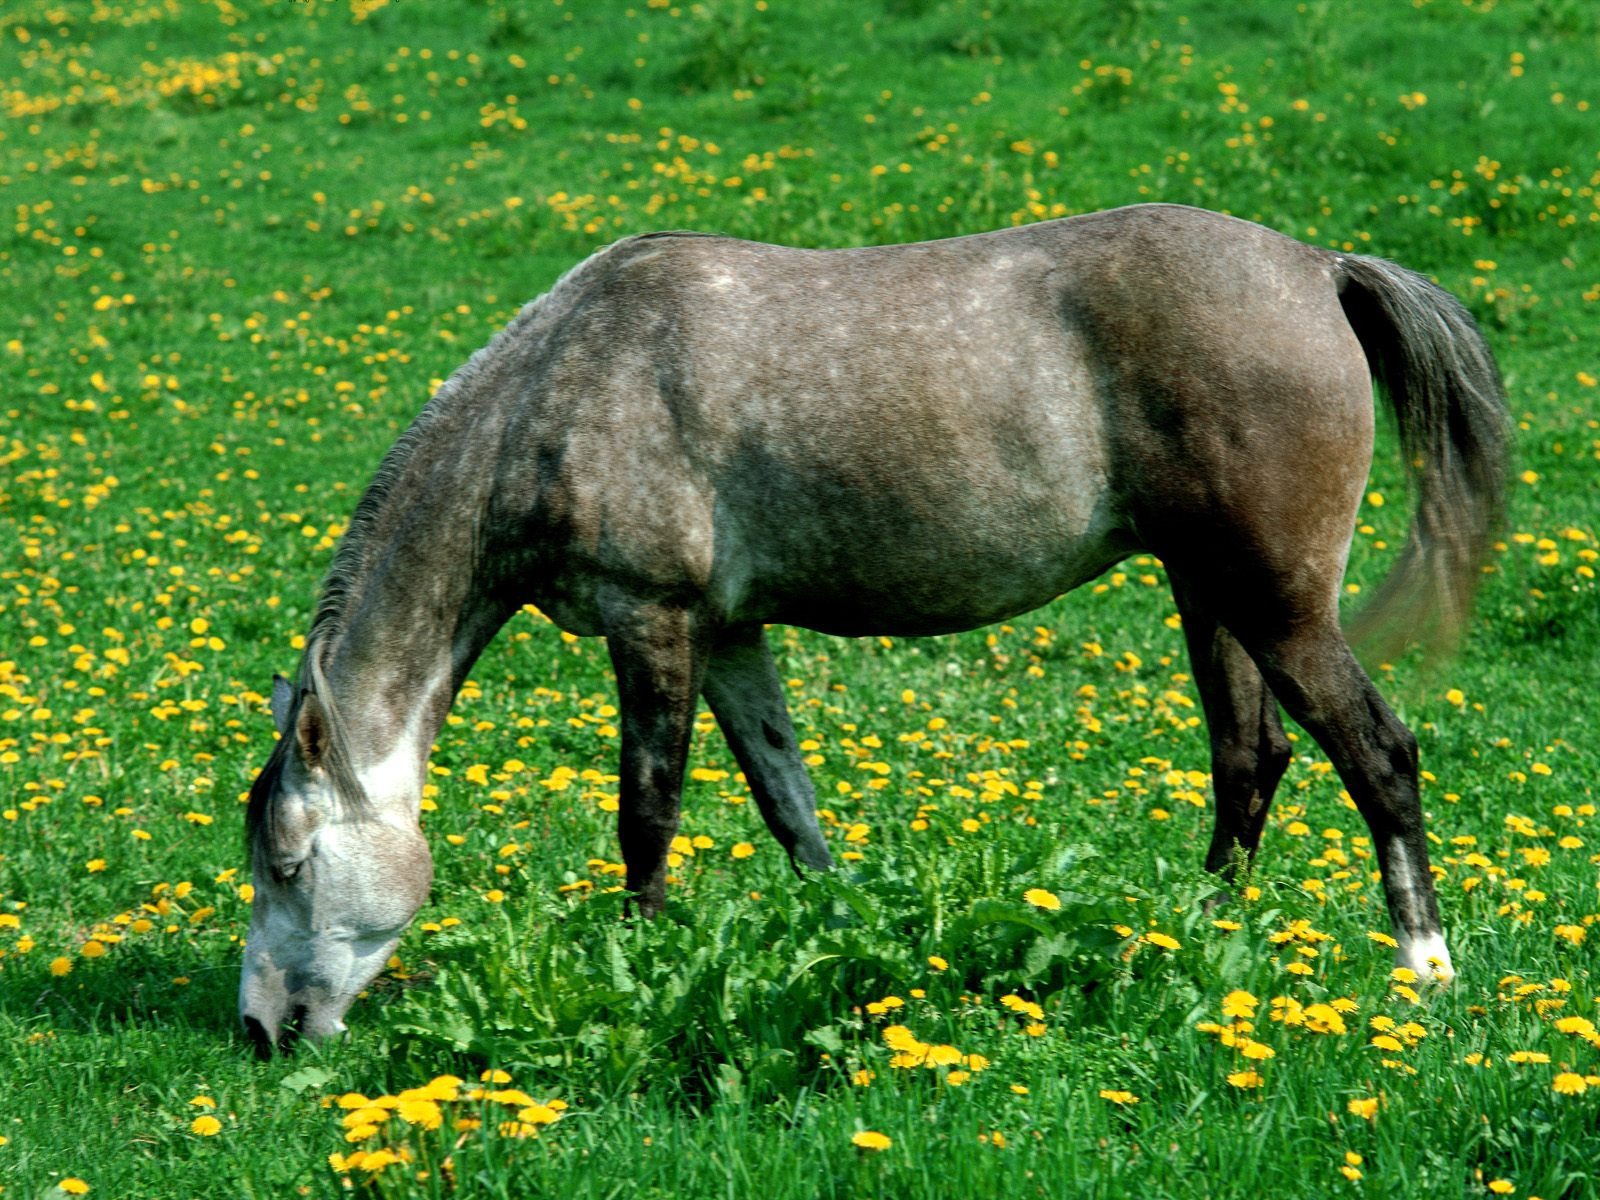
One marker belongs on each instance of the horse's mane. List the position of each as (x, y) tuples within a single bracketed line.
[(350, 797), (339, 596), (342, 589)]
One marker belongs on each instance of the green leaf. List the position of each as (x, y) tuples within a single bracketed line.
[(305, 1079), (990, 911), (826, 1037)]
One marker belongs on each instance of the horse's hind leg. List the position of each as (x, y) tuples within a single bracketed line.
[(1311, 670), (1249, 750), (659, 652), (746, 696)]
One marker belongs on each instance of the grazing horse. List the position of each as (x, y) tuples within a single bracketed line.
[(690, 436)]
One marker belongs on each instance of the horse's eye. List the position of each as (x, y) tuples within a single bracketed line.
[(286, 871)]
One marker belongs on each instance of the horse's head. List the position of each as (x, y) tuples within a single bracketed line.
[(338, 876)]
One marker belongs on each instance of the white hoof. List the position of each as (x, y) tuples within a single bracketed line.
[(1428, 956)]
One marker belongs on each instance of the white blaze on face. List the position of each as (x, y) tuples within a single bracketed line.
[(317, 939), (398, 774), (393, 780), (333, 896)]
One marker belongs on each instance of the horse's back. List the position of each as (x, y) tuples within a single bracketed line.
[(929, 436)]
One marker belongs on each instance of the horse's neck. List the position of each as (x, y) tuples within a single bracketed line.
[(417, 614)]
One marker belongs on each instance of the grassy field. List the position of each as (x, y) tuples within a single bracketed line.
[(248, 238)]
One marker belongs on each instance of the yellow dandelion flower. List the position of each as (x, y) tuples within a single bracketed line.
[(1040, 898), (443, 1087), (205, 1125), (1118, 1097), (1364, 1107), (425, 1113), (511, 1097), (372, 1114), (73, 1186), (898, 1037), (1018, 1005), (376, 1160), (869, 1139), (1164, 940), (1569, 1084), (1246, 1079), (1323, 1018), (60, 966), (1239, 1004), (742, 850), (1503, 1187)]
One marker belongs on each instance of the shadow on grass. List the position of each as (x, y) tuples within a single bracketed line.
[(133, 986)]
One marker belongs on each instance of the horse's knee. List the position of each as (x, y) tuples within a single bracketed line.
[(1401, 746), (1276, 751), (1234, 767), (1247, 768)]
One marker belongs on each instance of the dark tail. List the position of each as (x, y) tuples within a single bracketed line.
[(1430, 358)]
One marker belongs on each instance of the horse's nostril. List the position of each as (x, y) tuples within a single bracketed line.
[(289, 1032), (259, 1038)]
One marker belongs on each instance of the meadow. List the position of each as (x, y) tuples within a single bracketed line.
[(248, 238)]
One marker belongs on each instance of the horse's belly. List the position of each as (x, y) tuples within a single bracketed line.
[(917, 577)]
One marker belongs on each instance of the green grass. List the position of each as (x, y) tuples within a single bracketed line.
[(245, 240)]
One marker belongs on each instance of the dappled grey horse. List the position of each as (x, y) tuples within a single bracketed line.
[(690, 436)]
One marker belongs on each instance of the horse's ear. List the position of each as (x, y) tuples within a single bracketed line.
[(282, 698), (311, 731)]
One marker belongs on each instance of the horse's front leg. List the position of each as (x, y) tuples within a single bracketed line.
[(745, 694), (659, 652)]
